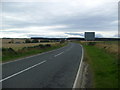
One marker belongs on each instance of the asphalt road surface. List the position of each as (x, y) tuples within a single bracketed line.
[(55, 69)]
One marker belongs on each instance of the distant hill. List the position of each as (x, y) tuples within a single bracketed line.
[(74, 38)]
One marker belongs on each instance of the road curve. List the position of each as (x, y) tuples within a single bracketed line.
[(55, 69)]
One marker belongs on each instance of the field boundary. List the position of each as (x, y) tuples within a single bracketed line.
[(33, 55)]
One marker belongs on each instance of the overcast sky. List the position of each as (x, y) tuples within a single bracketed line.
[(59, 18)]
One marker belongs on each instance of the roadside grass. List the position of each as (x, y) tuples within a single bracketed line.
[(109, 46), (21, 45), (104, 66), (21, 53)]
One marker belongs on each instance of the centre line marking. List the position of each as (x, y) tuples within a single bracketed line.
[(58, 54), (22, 71)]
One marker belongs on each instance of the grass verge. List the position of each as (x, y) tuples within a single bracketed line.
[(28, 52), (104, 67)]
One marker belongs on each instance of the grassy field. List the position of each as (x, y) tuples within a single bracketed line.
[(20, 46), (109, 47), (19, 43), (103, 62), (25, 50)]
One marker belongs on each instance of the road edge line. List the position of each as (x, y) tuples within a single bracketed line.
[(78, 73)]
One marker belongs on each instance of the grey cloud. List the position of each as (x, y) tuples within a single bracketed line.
[(15, 31), (98, 35), (51, 14), (35, 35), (73, 23), (78, 34), (116, 35), (49, 36)]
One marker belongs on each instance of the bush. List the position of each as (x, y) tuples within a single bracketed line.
[(8, 51), (45, 41), (27, 41), (10, 42), (35, 41), (4, 49), (62, 41), (42, 46), (11, 50), (24, 48), (47, 45), (91, 43)]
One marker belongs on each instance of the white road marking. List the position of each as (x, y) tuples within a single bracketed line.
[(22, 71), (59, 54), (78, 73)]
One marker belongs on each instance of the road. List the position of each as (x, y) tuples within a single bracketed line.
[(55, 69)]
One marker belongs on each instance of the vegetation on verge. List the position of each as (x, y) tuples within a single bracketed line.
[(103, 64), (11, 54)]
